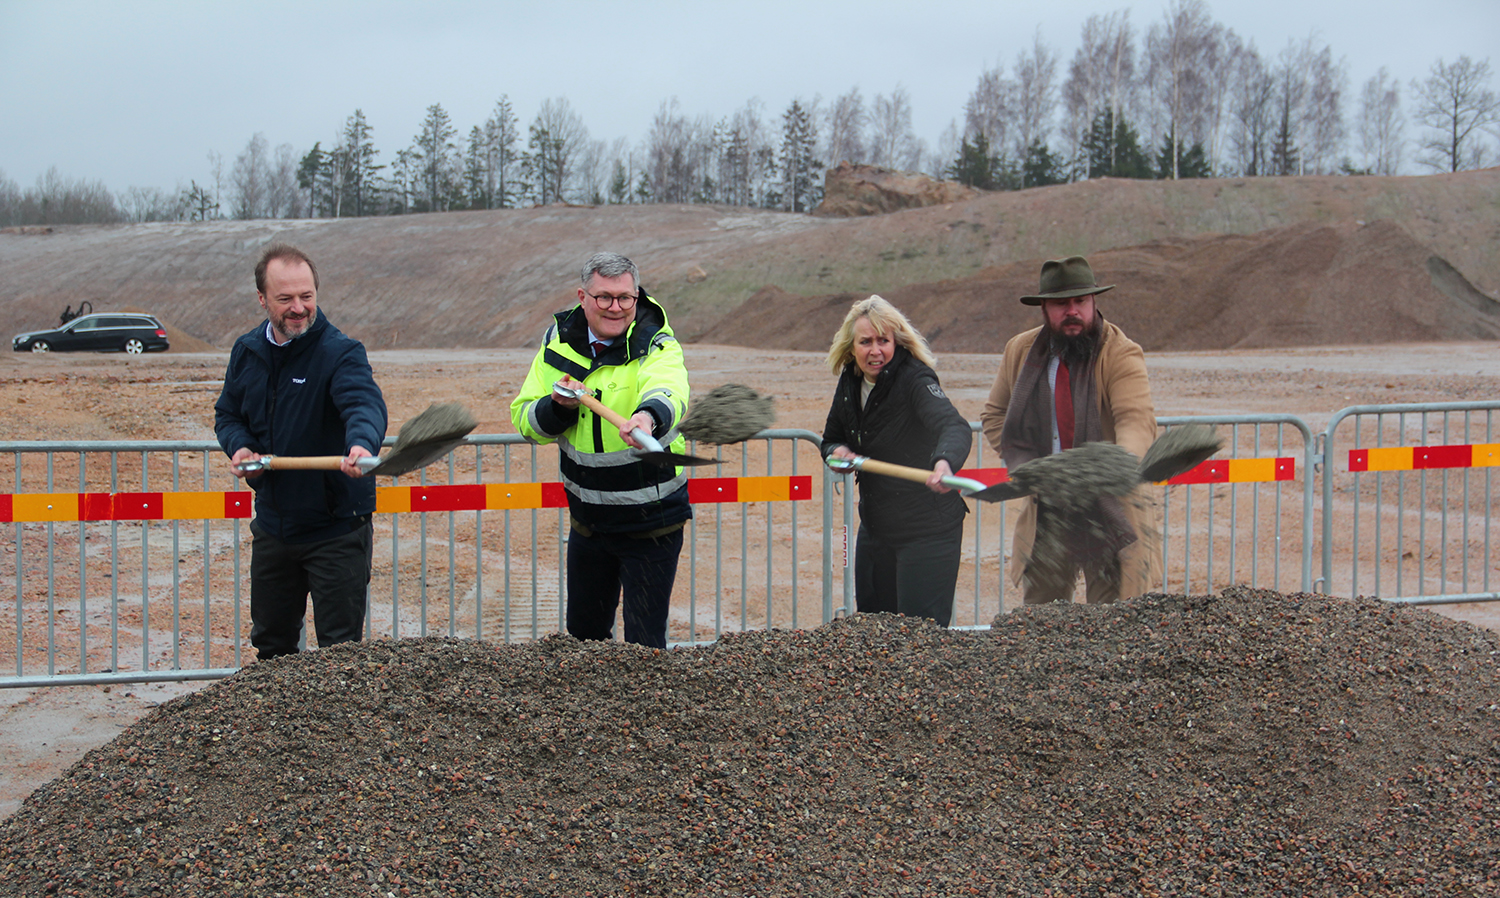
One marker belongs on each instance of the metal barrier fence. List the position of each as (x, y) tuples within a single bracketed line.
[(127, 557), (1416, 494)]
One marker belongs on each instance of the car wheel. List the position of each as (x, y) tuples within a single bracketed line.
[(40, 346), (134, 346)]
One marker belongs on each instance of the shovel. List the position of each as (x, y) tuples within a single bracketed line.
[(423, 440), (916, 475), (1174, 452), (654, 452)]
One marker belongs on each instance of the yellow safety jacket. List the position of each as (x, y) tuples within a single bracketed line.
[(610, 490)]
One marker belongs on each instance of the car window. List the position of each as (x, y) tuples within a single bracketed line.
[(85, 324), (124, 322)]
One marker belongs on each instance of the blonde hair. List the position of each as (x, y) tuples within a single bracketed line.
[(887, 319)]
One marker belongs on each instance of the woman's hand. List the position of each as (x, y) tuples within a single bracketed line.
[(939, 471)]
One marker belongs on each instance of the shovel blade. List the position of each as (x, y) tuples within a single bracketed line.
[(404, 461), (1000, 492), (672, 459)]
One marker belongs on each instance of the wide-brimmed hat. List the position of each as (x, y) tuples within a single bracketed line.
[(1065, 278)]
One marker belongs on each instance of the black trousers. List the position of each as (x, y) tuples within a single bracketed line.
[(603, 565), (915, 578), (336, 572)]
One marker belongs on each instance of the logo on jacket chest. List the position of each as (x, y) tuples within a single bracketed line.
[(299, 380)]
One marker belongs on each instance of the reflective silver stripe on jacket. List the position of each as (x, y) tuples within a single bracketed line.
[(642, 496)]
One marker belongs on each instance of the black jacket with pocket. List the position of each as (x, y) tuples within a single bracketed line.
[(908, 421)]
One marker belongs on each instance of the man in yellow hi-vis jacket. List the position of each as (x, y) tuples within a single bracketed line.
[(627, 515)]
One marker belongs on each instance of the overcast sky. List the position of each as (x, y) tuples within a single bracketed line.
[(138, 92)]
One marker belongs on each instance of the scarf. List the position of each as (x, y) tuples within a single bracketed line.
[(1095, 533)]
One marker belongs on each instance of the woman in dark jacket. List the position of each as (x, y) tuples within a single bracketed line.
[(889, 406)]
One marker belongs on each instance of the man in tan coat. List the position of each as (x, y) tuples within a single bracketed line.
[(1075, 379)]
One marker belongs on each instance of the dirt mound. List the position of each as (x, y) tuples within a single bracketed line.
[(850, 189), (491, 279), (1246, 744), (1303, 285)]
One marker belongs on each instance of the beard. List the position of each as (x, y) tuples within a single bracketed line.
[(1074, 350)]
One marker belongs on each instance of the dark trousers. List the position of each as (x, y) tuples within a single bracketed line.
[(335, 571), (915, 578), (603, 565)]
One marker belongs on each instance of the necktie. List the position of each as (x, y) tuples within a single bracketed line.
[(599, 347), (1063, 395)]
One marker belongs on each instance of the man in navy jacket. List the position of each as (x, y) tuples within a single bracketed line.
[(296, 385)]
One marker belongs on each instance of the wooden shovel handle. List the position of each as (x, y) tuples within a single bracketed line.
[(310, 462), (304, 463), (915, 475), (646, 440)]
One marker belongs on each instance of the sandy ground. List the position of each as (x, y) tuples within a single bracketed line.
[(44, 731)]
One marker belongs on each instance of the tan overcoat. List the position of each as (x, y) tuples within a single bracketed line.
[(1127, 418)]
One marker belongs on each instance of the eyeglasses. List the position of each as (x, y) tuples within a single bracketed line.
[(626, 302)]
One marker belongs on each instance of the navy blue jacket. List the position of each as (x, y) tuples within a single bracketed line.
[(314, 396)]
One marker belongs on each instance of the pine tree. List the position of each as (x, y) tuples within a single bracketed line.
[(1041, 167), (976, 166), (1115, 151), (798, 165)]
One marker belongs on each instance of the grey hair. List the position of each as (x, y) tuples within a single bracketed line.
[(610, 265)]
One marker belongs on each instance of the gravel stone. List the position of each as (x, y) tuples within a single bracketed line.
[(1244, 744)]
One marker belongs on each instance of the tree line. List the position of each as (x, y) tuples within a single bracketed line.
[(1186, 98)]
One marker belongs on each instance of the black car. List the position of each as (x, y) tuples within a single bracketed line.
[(101, 332)]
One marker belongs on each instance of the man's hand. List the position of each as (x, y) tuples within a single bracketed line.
[(350, 466), (642, 420), (243, 454), (939, 471), (565, 401)]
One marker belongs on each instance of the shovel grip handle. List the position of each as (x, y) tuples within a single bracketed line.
[(915, 475), (647, 441), (306, 463)]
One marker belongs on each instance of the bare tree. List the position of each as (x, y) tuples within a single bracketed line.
[(10, 201), (1181, 51), (1036, 94), (892, 141), (668, 154), (747, 162), (1252, 112), (250, 179), (59, 200), (1455, 103), (1323, 125), (281, 183), (990, 109), (139, 204), (1102, 76), (1381, 124), (847, 120), (565, 137)]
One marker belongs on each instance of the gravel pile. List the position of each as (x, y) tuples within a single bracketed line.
[(1250, 743)]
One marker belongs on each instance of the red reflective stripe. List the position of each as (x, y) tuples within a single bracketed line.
[(986, 476), (713, 489), (1359, 461), (554, 496), (1212, 471), (238, 504), (799, 488), (1286, 468), (96, 507), (452, 497), (1442, 457), (6, 515)]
